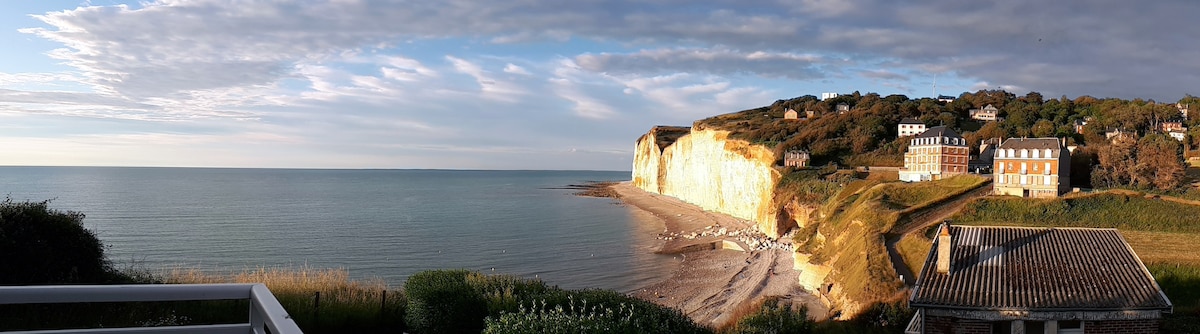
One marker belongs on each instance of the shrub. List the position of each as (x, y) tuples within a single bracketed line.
[(46, 246), (441, 301), (775, 318)]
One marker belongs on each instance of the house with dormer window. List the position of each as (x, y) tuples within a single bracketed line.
[(1031, 167), (935, 154)]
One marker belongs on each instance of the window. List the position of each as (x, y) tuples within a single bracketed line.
[(1035, 327), (1024, 169), (1047, 178), (1024, 153), (1047, 153), (1047, 170), (1001, 327), (1070, 327), (999, 153), (1035, 154), (1011, 153)]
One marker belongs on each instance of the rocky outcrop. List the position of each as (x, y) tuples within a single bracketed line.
[(706, 168)]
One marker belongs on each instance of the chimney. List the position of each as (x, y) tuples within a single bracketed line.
[(943, 250)]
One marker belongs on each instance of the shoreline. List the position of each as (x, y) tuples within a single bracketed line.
[(712, 284)]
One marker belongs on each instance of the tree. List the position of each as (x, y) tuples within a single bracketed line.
[(1160, 162), (46, 246), (1043, 128)]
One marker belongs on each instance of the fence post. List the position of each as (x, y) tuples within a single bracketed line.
[(317, 310), (383, 304)]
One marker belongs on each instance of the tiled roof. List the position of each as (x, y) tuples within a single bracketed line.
[(910, 120), (1031, 143), (939, 131), (1038, 269)]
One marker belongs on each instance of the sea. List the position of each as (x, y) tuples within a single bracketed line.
[(385, 224)]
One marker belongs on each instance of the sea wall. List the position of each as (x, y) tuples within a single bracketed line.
[(708, 169)]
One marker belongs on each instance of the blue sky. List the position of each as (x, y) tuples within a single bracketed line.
[(522, 84)]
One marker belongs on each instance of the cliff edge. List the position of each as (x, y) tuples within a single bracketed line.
[(706, 168)]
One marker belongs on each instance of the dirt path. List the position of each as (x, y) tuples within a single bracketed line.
[(711, 285), (922, 219)]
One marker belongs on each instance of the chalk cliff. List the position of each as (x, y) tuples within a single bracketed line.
[(708, 169)]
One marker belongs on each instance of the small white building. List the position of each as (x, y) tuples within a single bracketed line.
[(826, 96), (910, 127)]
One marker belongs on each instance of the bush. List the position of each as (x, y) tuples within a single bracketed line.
[(46, 246), (574, 318), (458, 301), (441, 301), (775, 318)]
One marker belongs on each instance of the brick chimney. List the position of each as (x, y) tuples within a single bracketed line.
[(943, 250)]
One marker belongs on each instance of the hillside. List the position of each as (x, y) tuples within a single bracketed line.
[(844, 213)]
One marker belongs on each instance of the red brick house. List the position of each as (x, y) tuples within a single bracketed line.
[(991, 279)]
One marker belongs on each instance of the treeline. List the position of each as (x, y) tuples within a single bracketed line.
[(866, 133)]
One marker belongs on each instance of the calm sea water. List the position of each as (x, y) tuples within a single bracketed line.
[(375, 223)]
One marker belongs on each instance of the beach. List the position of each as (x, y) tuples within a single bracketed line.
[(714, 284)]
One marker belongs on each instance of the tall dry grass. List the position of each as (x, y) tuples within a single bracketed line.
[(319, 299)]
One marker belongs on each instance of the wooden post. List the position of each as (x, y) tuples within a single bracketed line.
[(317, 310)]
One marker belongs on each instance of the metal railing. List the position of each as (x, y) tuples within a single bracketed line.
[(265, 311)]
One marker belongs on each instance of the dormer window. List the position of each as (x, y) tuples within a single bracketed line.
[(1047, 153), (1035, 154), (1024, 153)]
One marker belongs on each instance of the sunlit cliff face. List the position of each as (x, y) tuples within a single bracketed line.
[(709, 170)]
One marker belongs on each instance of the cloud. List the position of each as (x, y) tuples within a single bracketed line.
[(514, 69), (722, 61), (360, 72)]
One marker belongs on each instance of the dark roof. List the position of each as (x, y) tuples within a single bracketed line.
[(1032, 143), (938, 131), (910, 120), (1038, 269)]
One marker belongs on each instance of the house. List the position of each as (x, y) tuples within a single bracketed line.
[(791, 114), (910, 126), (1178, 135), (1031, 167), (795, 158), (982, 162), (1171, 127), (842, 108), (945, 98), (988, 113), (1183, 109), (1175, 129), (1114, 134), (809, 113), (994, 279), (1081, 123), (826, 96), (934, 154)]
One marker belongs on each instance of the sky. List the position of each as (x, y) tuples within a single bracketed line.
[(522, 84)]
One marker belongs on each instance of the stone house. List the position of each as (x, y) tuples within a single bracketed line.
[(935, 154), (842, 108), (988, 113), (910, 126), (795, 158), (791, 114), (994, 279), (1031, 167)]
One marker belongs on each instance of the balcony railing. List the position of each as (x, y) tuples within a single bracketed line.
[(265, 311)]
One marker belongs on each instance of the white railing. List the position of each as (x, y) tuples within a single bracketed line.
[(265, 311)]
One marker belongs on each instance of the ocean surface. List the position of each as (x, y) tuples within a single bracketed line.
[(374, 223)]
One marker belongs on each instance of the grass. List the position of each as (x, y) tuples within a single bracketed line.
[(1125, 212), (344, 305)]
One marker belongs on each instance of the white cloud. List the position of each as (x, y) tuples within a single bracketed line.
[(514, 69)]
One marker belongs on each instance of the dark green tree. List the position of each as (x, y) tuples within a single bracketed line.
[(40, 245)]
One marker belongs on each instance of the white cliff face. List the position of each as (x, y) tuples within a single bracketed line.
[(707, 169)]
